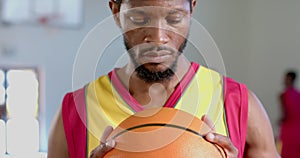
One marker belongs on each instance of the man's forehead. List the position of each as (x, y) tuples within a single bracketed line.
[(140, 3)]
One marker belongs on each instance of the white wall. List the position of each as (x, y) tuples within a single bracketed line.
[(258, 41), (274, 47)]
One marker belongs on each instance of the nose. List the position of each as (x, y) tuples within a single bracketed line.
[(156, 35)]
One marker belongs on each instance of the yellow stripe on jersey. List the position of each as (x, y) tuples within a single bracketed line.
[(104, 107), (204, 95)]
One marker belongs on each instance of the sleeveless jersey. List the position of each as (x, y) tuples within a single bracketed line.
[(105, 101)]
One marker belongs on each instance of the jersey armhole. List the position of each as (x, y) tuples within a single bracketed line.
[(236, 111)]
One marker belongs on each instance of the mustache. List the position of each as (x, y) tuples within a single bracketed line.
[(158, 48)]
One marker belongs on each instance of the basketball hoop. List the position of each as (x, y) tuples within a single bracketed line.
[(43, 20), (48, 19), (49, 22)]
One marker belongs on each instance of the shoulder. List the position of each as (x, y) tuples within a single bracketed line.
[(208, 72), (70, 99), (235, 93), (232, 85), (74, 96)]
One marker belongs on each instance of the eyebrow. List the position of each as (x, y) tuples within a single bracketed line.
[(172, 11), (176, 10), (136, 11)]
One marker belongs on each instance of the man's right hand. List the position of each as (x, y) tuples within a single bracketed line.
[(105, 145)]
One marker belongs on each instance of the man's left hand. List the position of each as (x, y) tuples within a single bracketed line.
[(230, 150)]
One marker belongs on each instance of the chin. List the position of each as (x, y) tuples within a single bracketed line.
[(156, 67)]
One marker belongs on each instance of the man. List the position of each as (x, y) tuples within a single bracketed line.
[(158, 74), (290, 125)]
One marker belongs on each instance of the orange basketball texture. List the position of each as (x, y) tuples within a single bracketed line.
[(162, 132)]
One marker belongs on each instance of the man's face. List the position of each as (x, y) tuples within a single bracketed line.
[(155, 31), (288, 81)]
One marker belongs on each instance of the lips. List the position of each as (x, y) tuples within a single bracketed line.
[(156, 56), (156, 53)]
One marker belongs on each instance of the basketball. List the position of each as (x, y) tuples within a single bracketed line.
[(162, 132)]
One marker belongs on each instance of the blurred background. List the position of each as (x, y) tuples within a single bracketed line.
[(39, 39)]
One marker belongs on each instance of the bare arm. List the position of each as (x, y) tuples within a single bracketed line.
[(260, 138), (57, 143)]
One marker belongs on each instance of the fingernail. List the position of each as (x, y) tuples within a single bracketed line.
[(210, 136), (111, 143)]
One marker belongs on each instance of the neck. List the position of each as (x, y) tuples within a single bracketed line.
[(289, 86)]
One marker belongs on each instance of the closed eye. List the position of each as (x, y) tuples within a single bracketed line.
[(139, 20), (174, 18)]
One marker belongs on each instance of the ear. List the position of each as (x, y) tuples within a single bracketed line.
[(114, 7), (194, 2)]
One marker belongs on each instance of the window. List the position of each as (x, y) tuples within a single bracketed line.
[(20, 107), (60, 13)]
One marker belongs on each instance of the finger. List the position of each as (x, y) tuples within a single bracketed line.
[(209, 122), (104, 146), (106, 133), (223, 142), (101, 150)]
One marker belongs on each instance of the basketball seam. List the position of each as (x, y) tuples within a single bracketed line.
[(167, 125), (157, 124)]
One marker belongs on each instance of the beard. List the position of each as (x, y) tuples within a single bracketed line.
[(154, 76)]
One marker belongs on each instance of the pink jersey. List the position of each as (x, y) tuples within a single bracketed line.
[(290, 127)]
